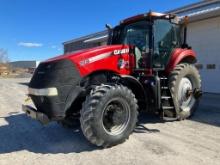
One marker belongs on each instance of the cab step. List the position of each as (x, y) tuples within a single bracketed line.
[(170, 118), (166, 97), (167, 107), (165, 88), (168, 111)]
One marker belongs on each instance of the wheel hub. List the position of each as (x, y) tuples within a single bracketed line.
[(115, 117), (185, 94)]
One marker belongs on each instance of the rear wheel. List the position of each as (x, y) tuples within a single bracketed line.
[(109, 115), (183, 80)]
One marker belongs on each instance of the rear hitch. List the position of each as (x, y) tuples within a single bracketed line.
[(197, 93)]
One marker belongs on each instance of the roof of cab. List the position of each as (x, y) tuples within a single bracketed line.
[(148, 15)]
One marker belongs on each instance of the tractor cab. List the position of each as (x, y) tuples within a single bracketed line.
[(153, 35)]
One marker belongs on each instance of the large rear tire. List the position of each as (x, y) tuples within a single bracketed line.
[(109, 115), (183, 80)]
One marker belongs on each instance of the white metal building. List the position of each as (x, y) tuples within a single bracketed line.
[(203, 36)]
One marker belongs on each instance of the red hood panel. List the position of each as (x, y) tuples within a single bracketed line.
[(88, 52), (97, 59)]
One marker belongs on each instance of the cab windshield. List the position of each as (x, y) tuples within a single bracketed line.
[(162, 37), (133, 34)]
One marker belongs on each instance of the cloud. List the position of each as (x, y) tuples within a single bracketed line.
[(56, 47), (30, 44)]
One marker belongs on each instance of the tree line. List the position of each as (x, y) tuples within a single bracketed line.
[(4, 58)]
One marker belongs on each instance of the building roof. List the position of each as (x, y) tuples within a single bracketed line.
[(200, 10), (192, 6), (95, 36)]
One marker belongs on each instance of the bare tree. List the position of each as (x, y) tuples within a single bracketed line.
[(4, 56)]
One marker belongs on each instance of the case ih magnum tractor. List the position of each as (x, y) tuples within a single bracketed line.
[(146, 66)]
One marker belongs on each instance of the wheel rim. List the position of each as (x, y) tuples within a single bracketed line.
[(185, 94), (115, 117)]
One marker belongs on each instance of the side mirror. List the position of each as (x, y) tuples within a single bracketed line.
[(174, 43), (161, 43), (186, 21), (109, 27)]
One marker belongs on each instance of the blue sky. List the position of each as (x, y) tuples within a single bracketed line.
[(35, 29)]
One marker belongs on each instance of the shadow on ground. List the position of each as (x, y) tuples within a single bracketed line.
[(207, 114), (145, 118), (24, 83), (23, 133)]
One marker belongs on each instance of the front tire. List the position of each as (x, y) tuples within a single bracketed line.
[(183, 80), (109, 115)]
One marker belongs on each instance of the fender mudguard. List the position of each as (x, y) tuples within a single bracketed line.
[(180, 55), (136, 87), (74, 93)]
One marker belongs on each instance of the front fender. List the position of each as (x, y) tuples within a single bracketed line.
[(73, 94), (136, 87)]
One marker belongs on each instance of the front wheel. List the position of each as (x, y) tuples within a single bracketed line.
[(183, 81), (109, 115)]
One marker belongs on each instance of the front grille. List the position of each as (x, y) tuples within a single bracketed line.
[(61, 74)]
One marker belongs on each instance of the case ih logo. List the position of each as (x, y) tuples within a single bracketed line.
[(122, 51), (103, 56)]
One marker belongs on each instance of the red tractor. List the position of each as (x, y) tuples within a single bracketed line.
[(146, 66)]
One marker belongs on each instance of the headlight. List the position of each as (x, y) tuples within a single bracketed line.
[(43, 92)]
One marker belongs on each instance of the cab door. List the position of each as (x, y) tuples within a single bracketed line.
[(166, 38), (137, 34)]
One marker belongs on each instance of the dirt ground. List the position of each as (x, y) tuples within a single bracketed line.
[(25, 141)]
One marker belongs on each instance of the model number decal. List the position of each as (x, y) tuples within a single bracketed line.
[(102, 56), (95, 58), (122, 51)]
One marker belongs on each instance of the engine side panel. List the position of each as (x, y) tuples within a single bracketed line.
[(115, 59)]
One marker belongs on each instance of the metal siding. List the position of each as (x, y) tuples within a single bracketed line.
[(25, 64), (204, 37), (200, 10), (78, 45)]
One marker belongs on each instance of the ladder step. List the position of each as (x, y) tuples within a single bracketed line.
[(170, 118), (164, 87), (165, 97), (167, 107)]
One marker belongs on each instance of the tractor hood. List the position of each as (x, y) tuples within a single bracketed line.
[(115, 49), (104, 57)]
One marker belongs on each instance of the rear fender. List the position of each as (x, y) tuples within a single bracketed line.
[(180, 55)]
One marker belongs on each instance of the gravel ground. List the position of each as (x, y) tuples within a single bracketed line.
[(25, 141)]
